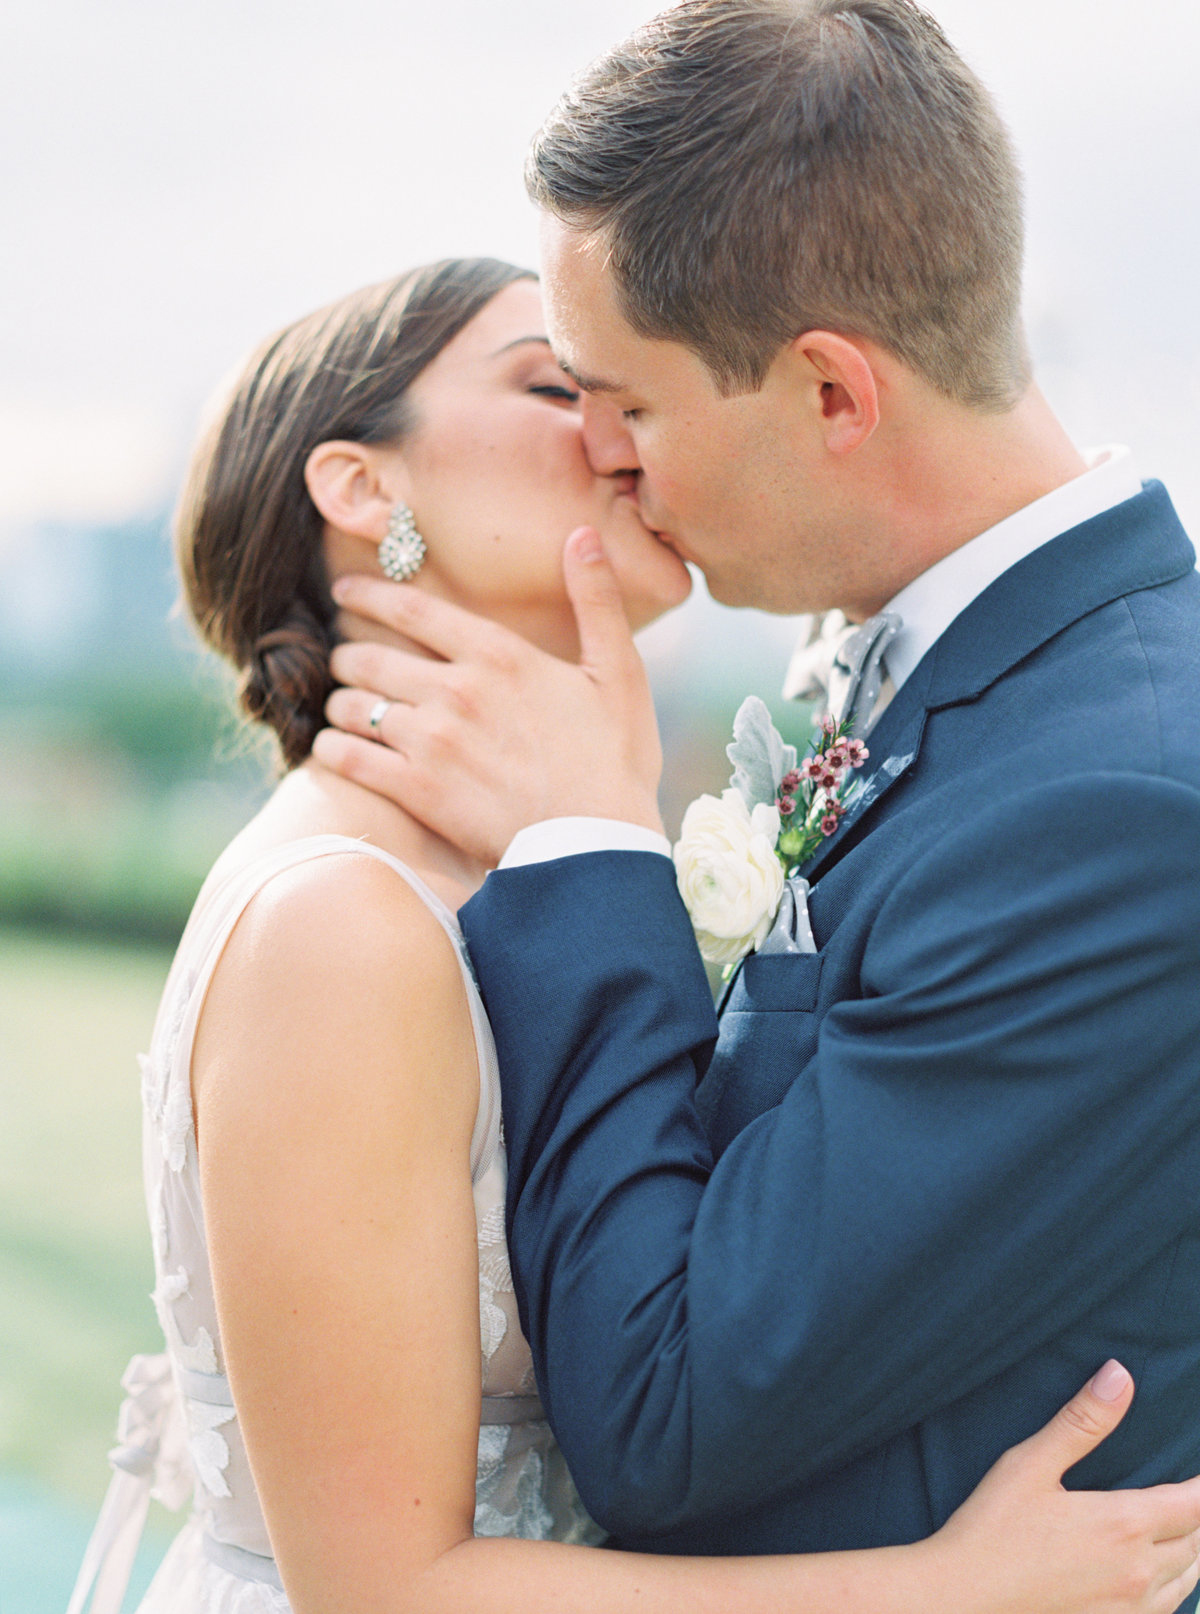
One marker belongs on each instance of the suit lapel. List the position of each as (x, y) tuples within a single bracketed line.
[(894, 744), (1134, 546), (1137, 545)]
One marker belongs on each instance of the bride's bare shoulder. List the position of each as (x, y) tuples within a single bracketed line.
[(337, 963)]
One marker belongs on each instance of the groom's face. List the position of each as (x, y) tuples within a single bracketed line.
[(734, 484)]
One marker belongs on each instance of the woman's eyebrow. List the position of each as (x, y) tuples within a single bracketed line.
[(586, 383), (520, 341)]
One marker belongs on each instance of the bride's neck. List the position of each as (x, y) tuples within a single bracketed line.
[(310, 800)]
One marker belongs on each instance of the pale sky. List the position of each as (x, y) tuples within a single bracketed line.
[(179, 180)]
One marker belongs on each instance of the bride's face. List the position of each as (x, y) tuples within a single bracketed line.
[(497, 478)]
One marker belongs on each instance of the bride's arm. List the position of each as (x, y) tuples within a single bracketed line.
[(336, 1084)]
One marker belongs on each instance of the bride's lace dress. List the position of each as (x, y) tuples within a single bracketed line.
[(179, 1428)]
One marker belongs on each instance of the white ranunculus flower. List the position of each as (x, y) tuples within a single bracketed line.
[(729, 876)]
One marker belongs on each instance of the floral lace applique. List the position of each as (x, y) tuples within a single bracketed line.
[(160, 1238), (172, 1286), (176, 1126), (201, 1355), (168, 1102), (208, 1450), (153, 1085), (509, 1502), (495, 1275)]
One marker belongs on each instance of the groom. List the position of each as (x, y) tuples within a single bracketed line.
[(794, 1278)]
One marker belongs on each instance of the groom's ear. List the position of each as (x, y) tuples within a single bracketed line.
[(353, 487), (841, 386)]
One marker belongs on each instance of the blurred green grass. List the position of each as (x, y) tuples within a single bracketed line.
[(75, 1263), (130, 874)]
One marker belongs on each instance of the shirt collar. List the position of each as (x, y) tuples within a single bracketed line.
[(931, 602)]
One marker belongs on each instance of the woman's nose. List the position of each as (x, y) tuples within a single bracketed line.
[(606, 439)]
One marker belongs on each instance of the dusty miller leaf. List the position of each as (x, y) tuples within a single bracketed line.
[(759, 757)]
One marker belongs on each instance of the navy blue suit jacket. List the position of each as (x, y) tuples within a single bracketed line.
[(794, 1282)]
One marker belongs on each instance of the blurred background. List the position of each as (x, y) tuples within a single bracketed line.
[(177, 181)]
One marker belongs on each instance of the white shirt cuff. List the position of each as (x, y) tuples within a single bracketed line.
[(565, 837)]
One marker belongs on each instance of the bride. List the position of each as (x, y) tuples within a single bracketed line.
[(345, 1385)]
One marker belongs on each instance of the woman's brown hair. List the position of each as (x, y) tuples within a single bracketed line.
[(247, 534)]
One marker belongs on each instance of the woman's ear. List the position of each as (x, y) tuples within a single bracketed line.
[(848, 388), (346, 482)]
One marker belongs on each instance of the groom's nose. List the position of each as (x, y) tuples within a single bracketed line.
[(606, 440)]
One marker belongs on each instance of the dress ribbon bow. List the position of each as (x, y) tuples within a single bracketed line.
[(149, 1460)]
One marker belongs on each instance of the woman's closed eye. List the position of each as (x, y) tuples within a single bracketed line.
[(557, 390)]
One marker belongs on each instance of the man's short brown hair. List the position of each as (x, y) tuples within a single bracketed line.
[(758, 168)]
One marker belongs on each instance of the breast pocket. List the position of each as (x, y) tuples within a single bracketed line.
[(768, 1035)]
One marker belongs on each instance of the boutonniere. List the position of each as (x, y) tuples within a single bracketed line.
[(736, 850)]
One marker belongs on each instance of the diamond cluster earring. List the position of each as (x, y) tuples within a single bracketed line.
[(402, 552)]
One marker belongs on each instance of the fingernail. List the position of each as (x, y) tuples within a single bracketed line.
[(339, 588), (587, 547), (1111, 1382)]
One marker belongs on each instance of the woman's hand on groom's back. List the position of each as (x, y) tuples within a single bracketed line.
[(492, 734), (1106, 1552)]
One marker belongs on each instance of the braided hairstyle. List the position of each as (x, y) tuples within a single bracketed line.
[(248, 537)]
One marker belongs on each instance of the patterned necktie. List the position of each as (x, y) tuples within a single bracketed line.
[(844, 662)]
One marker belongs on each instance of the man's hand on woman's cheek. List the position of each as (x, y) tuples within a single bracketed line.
[(496, 734)]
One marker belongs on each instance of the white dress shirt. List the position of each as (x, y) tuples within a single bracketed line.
[(930, 603), (927, 605)]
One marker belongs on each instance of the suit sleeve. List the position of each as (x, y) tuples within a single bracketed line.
[(999, 1130)]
